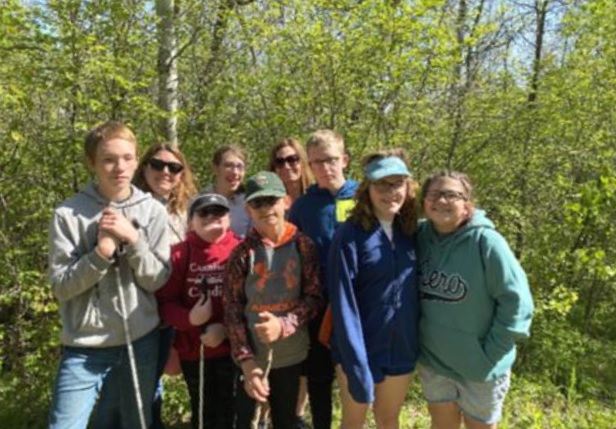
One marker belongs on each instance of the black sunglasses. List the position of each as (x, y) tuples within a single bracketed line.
[(216, 211), (291, 160), (257, 203), (159, 165)]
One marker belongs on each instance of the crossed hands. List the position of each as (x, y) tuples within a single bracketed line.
[(114, 228)]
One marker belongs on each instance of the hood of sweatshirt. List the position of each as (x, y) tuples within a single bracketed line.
[(445, 243), (137, 196)]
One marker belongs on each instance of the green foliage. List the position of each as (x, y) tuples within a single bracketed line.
[(455, 86)]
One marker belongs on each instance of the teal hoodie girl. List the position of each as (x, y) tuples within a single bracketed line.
[(475, 301)]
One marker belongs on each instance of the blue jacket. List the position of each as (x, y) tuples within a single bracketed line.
[(475, 301), (318, 213), (375, 305)]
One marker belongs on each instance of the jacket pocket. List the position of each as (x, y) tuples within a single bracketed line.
[(455, 351)]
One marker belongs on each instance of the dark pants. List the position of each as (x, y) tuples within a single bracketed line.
[(218, 392), (284, 388), (166, 340), (319, 369)]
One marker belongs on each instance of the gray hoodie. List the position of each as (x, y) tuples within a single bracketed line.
[(87, 285)]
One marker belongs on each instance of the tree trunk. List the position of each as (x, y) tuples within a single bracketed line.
[(541, 7), (167, 69)]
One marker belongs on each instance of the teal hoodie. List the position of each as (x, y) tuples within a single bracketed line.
[(475, 301)]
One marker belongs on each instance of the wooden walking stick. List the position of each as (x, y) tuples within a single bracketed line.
[(254, 424)]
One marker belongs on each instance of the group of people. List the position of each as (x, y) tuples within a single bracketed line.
[(268, 289)]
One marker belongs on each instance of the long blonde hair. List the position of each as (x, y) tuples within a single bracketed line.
[(186, 188), (363, 214)]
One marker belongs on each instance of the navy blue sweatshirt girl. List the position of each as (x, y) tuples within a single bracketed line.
[(375, 305)]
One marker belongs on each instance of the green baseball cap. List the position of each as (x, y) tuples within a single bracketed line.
[(264, 184)]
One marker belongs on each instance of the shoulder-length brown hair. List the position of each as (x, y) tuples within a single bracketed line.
[(186, 188), (363, 214), (307, 177)]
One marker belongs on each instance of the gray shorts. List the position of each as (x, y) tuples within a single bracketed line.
[(482, 401)]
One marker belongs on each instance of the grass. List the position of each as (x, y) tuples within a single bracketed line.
[(529, 405)]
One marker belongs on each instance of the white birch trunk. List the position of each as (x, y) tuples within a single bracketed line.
[(167, 68)]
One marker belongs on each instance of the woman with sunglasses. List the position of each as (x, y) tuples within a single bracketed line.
[(289, 161), (229, 166), (373, 294), (164, 172)]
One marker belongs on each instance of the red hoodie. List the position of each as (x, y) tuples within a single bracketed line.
[(196, 264)]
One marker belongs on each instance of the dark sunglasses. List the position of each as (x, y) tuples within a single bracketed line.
[(291, 160), (216, 211), (257, 203), (159, 165)]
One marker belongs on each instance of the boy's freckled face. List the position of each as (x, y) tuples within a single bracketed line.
[(328, 164), (114, 165)]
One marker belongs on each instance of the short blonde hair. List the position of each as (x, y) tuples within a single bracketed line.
[(326, 138), (104, 132)]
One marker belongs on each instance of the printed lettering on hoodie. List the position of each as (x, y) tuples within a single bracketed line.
[(215, 277), (438, 285)]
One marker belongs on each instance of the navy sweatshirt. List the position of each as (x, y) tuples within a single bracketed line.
[(374, 298)]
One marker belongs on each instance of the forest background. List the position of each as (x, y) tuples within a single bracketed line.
[(520, 94)]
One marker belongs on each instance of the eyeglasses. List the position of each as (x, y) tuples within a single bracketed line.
[(159, 165), (230, 166), (330, 161), (281, 161), (215, 211), (449, 196), (257, 203), (383, 186)]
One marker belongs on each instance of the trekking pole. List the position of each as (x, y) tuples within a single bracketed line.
[(201, 382), (129, 346), (254, 424)]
